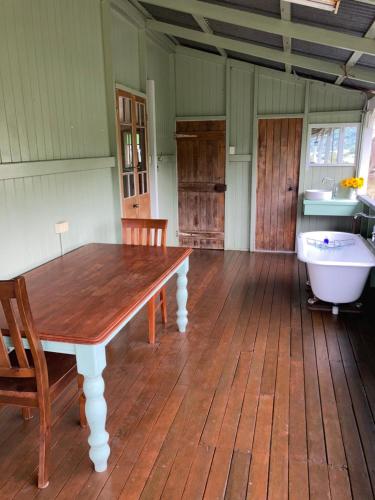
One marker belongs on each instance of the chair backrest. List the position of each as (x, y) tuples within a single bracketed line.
[(149, 232), (18, 318)]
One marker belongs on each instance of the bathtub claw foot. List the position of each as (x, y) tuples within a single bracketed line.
[(335, 309), (358, 305), (312, 300)]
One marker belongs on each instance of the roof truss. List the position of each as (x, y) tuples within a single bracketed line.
[(319, 65), (268, 24)]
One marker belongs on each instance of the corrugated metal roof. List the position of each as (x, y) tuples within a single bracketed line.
[(171, 16), (367, 60), (246, 34), (317, 50), (196, 45), (268, 7), (355, 84), (307, 73), (255, 60), (353, 17)]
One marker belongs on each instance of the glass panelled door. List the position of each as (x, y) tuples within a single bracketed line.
[(132, 127)]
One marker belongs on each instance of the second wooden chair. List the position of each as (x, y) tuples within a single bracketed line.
[(146, 232)]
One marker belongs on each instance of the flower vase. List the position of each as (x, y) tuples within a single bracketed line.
[(352, 194)]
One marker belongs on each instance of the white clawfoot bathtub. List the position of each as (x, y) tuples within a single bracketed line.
[(337, 274)]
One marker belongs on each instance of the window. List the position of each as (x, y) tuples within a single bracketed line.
[(333, 145)]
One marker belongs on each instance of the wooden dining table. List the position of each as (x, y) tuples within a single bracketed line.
[(82, 300)]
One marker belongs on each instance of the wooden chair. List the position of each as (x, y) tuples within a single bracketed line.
[(149, 232), (31, 378)]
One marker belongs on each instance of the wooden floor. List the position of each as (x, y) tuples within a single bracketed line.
[(260, 399)]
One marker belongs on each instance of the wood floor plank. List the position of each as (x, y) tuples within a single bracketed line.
[(260, 399)]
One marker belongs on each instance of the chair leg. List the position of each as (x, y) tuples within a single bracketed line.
[(151, 320), (82, 403), (163, 300), (45, 444), (27, 413)]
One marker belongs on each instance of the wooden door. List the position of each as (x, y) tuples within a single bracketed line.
[(201, 183), (132, 141), (279, 148)]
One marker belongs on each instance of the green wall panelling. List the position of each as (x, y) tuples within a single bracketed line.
[(278, 94), (160, 66), (168, 197), (200, 84), (326, 97), (30, 207), (125, 51), (237, 206), (52, 91), (240, 107)]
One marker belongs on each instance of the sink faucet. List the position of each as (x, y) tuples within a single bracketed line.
[(333, 184)]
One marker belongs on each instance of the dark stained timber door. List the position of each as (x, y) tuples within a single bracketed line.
[(279, 149), (201, 183)]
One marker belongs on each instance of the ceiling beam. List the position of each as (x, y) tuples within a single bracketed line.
[(312, 63), (285, 13), (270, 24), (355, 57), (204, 26)]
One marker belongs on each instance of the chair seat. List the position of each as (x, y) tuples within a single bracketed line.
[(61, 369)]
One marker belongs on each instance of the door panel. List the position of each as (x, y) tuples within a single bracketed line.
[(279, 149), (201, 178)]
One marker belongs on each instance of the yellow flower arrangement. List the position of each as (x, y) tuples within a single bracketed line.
[(352, 182)]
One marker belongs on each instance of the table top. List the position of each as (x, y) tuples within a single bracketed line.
[(83, 296)]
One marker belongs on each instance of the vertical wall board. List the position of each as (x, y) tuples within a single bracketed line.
[(326, 97), (200, 86), (52, 93), (125, 51), (237, 206), (159, 62), (30, 207), (168, 197), (52, 107), (241, 109), (279, 95)]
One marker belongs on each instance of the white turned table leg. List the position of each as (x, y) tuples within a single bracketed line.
[(91, 363), (182, 296)]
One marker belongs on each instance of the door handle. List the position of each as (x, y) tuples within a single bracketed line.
[(136, 205), (220, 188)]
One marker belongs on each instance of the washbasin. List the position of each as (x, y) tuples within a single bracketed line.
[(318, 194)]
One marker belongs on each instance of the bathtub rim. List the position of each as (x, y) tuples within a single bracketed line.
[(303, 258)]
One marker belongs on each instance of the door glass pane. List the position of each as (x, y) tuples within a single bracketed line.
[(142, 180), (350, 141), (140, 114), (127, 149), (128, 183), (127, 110), (141, 149)]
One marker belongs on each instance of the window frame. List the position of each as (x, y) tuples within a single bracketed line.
[(311, 126)]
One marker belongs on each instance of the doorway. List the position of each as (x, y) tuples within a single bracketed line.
[(278, 165), (132, 147), (201, 183)]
